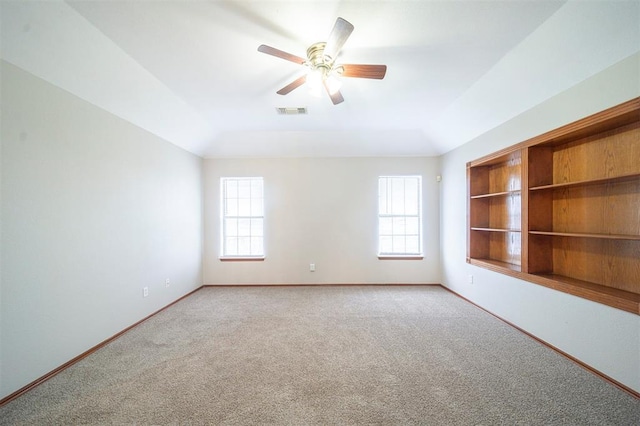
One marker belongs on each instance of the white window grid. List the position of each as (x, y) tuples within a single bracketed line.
[(400, 215), (242, 216)]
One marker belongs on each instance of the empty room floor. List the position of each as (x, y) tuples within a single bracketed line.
[(324, 355)]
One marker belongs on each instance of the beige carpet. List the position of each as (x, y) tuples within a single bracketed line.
[(324, 355)]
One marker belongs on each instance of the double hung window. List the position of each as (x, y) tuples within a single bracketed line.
[(242, 217), (399, 216)]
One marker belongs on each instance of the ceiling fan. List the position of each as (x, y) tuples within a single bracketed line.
[(322, 71)]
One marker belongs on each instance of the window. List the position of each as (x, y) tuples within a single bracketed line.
[(399, 216), (242, 217)]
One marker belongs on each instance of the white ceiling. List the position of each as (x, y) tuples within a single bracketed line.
[(190, 72)]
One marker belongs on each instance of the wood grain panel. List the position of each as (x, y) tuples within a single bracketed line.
[(540, 170), (479, 181), (479, 244), (612, 208), (506, 176), (541, 211), (540, 259), (505, 247), (611, 263), (479, 213), (505, 212), (605, 155)]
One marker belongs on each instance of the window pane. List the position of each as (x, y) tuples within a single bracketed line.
[(382, 196), (412, 226), (256, 188), (411, 203), (411, 187), (256, 207), (244, 227), (244, 246), (256, 228), (232, 189), (244, 207), (231, 246), (398, 244), (231, 227), (413, 245), (397, 196), (256, 246), (398, 226), (231, 207), (385, 226), (244, 188)]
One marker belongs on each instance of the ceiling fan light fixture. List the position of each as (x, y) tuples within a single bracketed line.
[(315, 92), (315, 78), (333, 84)]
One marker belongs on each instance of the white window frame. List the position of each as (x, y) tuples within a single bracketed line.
[(250, 212), (389, 219)]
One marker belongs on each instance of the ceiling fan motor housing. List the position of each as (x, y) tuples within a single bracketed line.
[(316, 59)]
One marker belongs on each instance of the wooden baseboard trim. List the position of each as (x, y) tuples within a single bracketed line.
[(323, 285), (85, 354), (582, 364)]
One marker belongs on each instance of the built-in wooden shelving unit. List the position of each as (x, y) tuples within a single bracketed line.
[(563, 209)]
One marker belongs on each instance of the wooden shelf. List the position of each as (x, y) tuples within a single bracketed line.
[(494, 229), (617, 179), (576, 190), (587, 235), (497, 194), (495, 264)]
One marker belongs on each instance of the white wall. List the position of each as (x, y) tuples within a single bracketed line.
[(605, 338), (93, 209), (321, 211)]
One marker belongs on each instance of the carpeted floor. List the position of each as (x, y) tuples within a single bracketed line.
[(324, 355)]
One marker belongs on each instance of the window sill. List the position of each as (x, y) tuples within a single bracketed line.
[(400, 257), (241, 258)]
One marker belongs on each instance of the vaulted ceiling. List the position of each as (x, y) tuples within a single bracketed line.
[(190, 72)]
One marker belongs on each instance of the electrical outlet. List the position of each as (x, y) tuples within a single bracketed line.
[(145, 291), (470, 279), (167, 282), (312, 267)]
